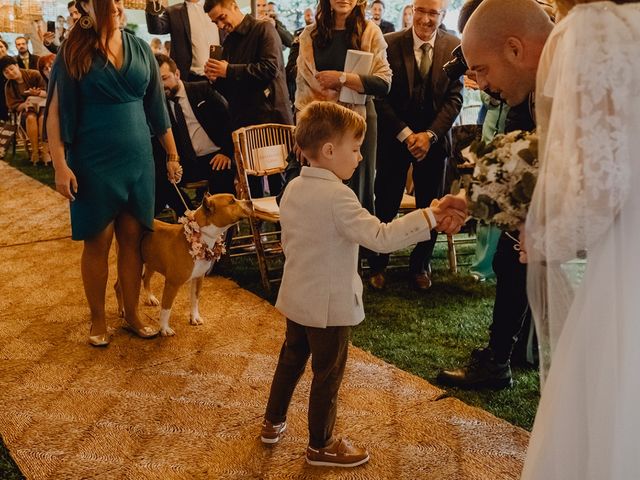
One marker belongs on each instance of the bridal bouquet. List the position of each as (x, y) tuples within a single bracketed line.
[(504, 177)]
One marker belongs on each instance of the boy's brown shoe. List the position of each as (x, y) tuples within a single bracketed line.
[(271, 431), (339, 453)]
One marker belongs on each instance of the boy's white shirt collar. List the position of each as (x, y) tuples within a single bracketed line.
[(318, 172)]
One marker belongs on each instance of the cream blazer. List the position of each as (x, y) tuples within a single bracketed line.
[(308, 88), (323, 224)]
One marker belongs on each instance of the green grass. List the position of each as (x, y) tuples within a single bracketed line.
[(418, 332), (39, 172), (423, 333)]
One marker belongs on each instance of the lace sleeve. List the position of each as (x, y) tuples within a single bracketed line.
[(588, 112), (584, 87)]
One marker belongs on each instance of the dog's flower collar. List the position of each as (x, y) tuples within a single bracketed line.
[(199, 249)]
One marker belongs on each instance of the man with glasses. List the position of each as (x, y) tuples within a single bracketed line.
[(414, 123)]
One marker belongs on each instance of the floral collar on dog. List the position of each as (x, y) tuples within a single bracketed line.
[(199, 249)]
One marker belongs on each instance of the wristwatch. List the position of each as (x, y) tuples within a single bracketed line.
[(343, 78)]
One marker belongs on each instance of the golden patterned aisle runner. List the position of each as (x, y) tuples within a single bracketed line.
[(190, 406)]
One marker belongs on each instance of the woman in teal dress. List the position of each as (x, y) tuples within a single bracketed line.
[(106, 99)]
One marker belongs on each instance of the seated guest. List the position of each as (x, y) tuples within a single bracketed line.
[(44, 67), (22, 84), (201, 126), (4, 111)]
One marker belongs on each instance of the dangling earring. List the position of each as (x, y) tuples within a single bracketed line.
[(86, 22)]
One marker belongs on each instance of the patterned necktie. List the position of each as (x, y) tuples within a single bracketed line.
[(425, 61)]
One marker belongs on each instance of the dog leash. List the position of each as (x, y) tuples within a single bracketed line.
[(181, 196)]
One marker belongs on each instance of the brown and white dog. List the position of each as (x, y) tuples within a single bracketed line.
[(166, 250)]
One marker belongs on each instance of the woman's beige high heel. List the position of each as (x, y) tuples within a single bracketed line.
[(101, 340), (143, 332)]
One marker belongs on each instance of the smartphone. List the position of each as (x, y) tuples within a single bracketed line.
[(215, 52), (51, 26)]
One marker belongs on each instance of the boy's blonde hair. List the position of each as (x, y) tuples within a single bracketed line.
[(321, 122)]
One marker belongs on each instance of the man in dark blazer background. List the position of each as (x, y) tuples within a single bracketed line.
[(201, 126), (251, 74), (192, 33), (26, 59), (414, 123), (377, 11)]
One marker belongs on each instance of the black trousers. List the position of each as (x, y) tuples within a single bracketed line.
[(511, 307), (391, 179), (220, 181), (328, 349), (276, 181)]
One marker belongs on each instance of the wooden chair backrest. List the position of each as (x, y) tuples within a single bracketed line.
[(263, 149)]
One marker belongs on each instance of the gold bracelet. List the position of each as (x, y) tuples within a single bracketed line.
[(173, 157)]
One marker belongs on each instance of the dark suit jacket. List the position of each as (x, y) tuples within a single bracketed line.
[(212, 112), (291, 68), (446, 94), (285, 35), (255, 85), (387, 27), (174, 21), (33, 62)]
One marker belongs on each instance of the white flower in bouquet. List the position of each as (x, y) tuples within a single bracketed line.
[(504, 177)]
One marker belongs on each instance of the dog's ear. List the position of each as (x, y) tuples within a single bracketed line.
[(208, 206)]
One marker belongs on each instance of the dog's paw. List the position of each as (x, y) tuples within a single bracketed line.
[(196, 320), (152, 300), (167, 332)]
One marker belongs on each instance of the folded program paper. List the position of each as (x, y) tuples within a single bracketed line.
[(358, 62)]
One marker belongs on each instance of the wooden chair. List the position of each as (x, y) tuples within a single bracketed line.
[(262, 150)]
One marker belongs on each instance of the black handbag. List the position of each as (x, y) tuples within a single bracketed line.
[(154, 7)]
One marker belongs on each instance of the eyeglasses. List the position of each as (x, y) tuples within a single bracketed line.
[(435, 14)]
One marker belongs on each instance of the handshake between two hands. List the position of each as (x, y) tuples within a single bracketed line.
[(450, 213)]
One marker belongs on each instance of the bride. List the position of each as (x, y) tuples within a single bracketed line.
[(587, 206)]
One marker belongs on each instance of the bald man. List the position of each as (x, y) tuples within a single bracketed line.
[(502, 43)]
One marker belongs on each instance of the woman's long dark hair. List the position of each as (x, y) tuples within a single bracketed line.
[(325, 24), (80, 48)]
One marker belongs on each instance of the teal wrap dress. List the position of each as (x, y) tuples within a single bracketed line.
[(106, 122)]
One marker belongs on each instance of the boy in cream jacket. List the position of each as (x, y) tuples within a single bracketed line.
[(323, 225)]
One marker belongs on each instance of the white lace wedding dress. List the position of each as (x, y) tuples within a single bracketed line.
[(588, 200)]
